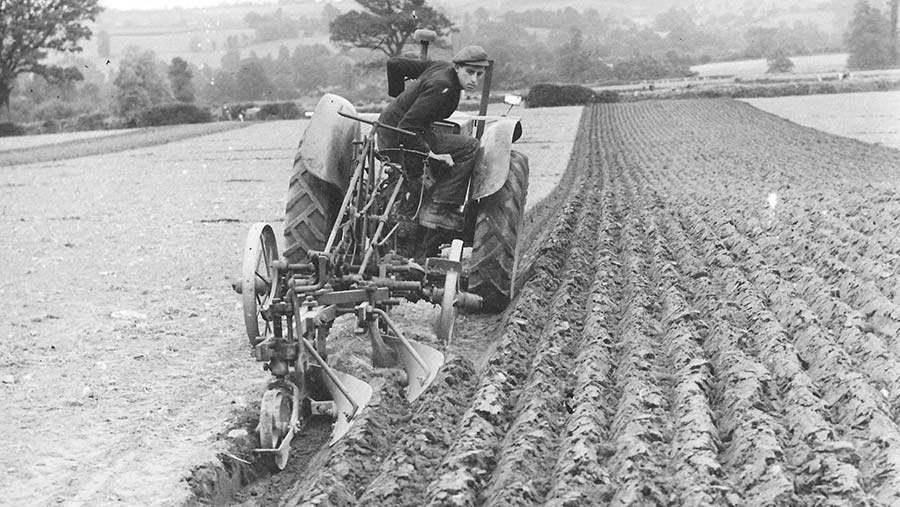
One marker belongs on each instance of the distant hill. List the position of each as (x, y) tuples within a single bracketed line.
[(769, 11), (199, 35)]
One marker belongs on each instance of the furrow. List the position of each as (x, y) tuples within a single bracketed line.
[(881, 314), (477, 466), (467, 466), (639, 426), (744, 393), (693, 448), (579, 476), (694, 463), (425, 438), (855, 403), (866, 262), (529, 448), (848, 326), (824, 463)]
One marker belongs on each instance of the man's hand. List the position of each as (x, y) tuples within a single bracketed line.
[(444, 157)]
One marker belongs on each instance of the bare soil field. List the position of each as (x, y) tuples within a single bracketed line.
[(125, 366), (120, 362)]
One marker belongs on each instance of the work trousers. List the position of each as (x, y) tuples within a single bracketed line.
[(451, 183)]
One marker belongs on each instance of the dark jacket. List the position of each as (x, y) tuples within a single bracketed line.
[(433, 96)]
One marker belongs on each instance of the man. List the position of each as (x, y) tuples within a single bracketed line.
[(433, 96)]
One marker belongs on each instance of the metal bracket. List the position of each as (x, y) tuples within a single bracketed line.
[(441, 266)]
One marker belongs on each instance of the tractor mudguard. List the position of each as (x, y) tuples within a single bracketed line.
[(326, 149), (492, 170)]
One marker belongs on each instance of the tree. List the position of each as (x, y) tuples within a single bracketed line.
[(760, 41), (779, 62), (59, 84), (386, 25), (138, 83), (251, 82), (31, 28), (575, 64), (519, 59), (181, 80), (640, 67), (675, 20), (312, 68), (681, 32), (220, 87), (868, 38)]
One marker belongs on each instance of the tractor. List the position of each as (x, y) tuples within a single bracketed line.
[(351, 235)]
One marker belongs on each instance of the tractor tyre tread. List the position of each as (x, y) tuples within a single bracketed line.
[(495, 245), (310, 212)]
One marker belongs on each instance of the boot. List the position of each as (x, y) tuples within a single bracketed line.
[(434, 239), (441, 215)]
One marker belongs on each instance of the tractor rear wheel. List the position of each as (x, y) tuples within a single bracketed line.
[(495, 247), (312, 207)]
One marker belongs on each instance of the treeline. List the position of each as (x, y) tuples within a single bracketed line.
[(307, 70), (585, 47), (721, 38), (278, 26), (538, 46)]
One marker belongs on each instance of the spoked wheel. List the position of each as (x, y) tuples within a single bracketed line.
[(258, 275), (448, 301), (274, 423)]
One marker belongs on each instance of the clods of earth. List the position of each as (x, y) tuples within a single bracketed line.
[(708, 315)]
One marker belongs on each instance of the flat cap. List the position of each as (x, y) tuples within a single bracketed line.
[(472, 55)]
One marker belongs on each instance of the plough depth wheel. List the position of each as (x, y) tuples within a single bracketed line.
[(257, 279), (448, 301), (275, 425)]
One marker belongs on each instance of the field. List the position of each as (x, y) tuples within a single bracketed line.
[(812, 64), (50, 147), (873, 117), (708, 316), (23, 142), (709, 319)]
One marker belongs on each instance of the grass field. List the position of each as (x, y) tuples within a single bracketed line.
[(812, 64), (22, 142), (873, 117), (49, 147)]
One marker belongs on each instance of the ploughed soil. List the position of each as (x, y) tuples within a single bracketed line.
[(708, 315)]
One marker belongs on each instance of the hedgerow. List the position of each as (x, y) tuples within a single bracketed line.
[(555, 95), (173, 114)]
